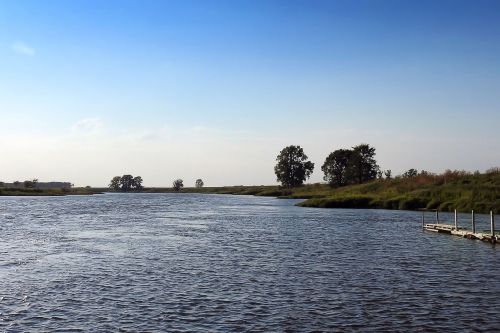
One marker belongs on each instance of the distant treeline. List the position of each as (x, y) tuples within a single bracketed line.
[(341, 167), (127, 183), (35, 184)]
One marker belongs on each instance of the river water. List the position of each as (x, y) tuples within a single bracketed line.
[(221, 263)]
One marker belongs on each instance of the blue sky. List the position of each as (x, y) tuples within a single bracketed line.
[(214, 89)]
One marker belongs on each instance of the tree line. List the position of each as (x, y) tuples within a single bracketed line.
[(127, 183), (26, 184), (341, 167)]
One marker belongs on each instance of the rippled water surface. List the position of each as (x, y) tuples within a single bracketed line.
[(194, 263)]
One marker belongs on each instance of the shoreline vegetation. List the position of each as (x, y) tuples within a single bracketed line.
[(353, 180), (451, 190), (49, 192)]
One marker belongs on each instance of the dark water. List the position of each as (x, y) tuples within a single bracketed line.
[(195, 263)]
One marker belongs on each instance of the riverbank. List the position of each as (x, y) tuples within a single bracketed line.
[(446, 192), (48, 192), (453, 190)]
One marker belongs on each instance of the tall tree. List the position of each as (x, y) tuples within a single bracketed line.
[(137, 183), (336, 167), (199, 183), (292, 168), (362, 165), (115, 183), (177, 184)]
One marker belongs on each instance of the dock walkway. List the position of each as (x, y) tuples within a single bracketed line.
[(493, 236)]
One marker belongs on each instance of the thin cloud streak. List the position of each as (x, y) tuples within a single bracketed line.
[(23, 49)]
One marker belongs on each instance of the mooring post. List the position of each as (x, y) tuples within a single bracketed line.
[(492, 219), (456, 220), (437, 216), (423, 220), (473, 223)]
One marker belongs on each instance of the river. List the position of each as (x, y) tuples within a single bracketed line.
[(222, 263)]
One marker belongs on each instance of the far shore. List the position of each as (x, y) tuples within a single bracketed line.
[(447, 192), (49, 192)]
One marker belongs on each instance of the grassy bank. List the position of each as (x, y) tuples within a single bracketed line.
[(454, 190), (445, 192), (47, 192)]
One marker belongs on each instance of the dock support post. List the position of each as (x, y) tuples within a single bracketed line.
[(423, 220), (492, 219), (456, 220), (473, 223), (437, 216)]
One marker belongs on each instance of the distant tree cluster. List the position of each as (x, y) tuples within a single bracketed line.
[(341, 167), (410, 173), (351, 166), (126, 183)]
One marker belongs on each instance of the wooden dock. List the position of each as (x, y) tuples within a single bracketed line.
[(454, 229)]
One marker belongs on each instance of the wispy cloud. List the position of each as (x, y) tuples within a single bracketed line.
[(87, 126), (23, 49)]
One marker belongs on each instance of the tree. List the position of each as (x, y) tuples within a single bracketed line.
[(388, 174), (292, 168), (336, 167), (126, 182), (199, 183), (29, 184), (362, 164), (410, 173), (115, 183), (137, 183), (177, 184)]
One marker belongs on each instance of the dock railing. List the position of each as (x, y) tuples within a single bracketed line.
[(454, 229)]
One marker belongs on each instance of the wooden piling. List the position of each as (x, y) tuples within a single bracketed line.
[(423, 219), (473, 223), (492, 221), (456, 220), (437, 216)]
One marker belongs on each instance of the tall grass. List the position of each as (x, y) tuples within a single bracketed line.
[(451, 190)]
